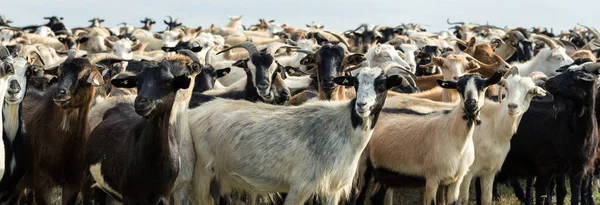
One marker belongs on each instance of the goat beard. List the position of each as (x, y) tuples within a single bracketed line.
[(472, 117)]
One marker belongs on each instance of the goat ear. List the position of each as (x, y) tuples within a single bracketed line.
[(127, 82), (108, 43), (95, 78), (446, 84), (180, 36), (354, 59), (472, 42), (494, 79), (308, 59), (344, 80), (393, 81), (181, 82), (586, 77), (137, 47), (538, 91), (241, 63), (223, 72)]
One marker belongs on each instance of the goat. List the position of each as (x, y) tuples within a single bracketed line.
[(148, 148), (261, 72), (14, 130), (571, 114), (581, 54), (7, 70), (288, 172), (410, 161), (5, 21), (424, 57), (233, 26), (92, 40), (547, 60), (329, 62), (58, 147)]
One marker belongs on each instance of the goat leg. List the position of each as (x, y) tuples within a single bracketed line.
[(575, 181)]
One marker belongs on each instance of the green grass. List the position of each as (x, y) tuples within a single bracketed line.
[(507, 197)]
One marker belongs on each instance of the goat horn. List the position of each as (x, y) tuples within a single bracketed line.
[(340, 39), (498, 39), (189, 54), (455, 23), (593, 31), (535, 76), (28, 50), (546, 40), (94, 58), (4, 51), (390, 64), (483, 65), (208, 57), (273, 47), (304, 51), (360, 65), (170, 18), (592, 67), (250, 47), (429, 65)]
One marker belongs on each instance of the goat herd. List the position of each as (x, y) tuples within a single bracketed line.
[(277, 114)]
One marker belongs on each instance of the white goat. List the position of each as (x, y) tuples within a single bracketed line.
[(547, 60), (382, 53), (316, 155), (409, 51)]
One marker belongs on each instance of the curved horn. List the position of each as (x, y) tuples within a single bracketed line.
[(429, 65), (497, 39), (170, 18), (455, 23), (340, 39), (189, 54), (360, 65), (546, 40), (4, 51), (483, 65), (94, 58), (273, 47), (537, 75), (250, 47), (361, 26), (28, 50), (391, 64), (592, 67), (593, 31), (304, 51), (208, 57)]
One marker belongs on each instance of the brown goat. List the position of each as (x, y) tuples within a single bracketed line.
[(584, 54), (58, 128)]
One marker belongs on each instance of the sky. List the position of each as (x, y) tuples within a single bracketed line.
[(336, 15)]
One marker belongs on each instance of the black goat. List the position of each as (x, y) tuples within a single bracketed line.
[(568, 145)]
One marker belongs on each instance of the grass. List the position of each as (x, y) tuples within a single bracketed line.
[(507, 197)]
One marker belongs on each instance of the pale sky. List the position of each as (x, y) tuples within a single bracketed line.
[(337, 15)]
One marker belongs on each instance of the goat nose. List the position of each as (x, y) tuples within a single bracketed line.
[(471, 102), (512, 106), (262, 86), (455, 78), (14, 87), (361, 104)]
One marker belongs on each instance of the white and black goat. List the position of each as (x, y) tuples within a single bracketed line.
[(316, 154)]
